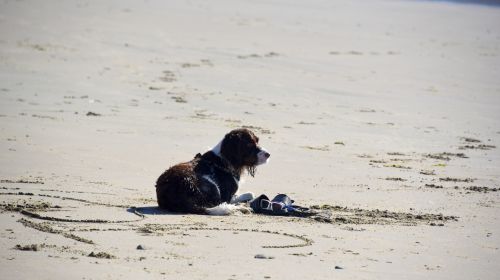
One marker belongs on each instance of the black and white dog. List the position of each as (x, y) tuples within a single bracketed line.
[(206, 184)]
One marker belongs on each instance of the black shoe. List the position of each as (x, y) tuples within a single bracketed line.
[(281, 205)]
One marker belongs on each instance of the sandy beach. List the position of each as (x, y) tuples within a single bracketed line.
[(383, 116)]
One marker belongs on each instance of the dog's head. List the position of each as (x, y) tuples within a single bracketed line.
[(241, 148)]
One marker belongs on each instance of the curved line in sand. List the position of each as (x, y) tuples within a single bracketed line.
[(94, 221), (305, 241)]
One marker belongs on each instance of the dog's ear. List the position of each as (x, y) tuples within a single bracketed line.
[(230, 148)]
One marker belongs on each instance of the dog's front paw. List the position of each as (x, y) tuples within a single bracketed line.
[(244, 197)]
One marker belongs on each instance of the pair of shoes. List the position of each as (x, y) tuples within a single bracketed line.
[(280, 205)]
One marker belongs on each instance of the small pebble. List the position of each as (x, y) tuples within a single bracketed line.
[(338, 267), (140, 247)]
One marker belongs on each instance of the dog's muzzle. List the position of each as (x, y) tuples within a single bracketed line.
[(262, 157)]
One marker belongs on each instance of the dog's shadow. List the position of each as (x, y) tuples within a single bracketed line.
[(150, 210)]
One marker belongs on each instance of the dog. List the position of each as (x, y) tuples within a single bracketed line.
[(209, 182)]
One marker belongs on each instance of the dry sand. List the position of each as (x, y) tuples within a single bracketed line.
[(384, 114)]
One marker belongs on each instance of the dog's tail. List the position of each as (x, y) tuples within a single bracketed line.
[(225, 209)]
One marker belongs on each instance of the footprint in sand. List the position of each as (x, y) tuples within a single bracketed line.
[(168, 76)]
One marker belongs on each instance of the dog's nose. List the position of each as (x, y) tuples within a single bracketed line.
[(267, 155)]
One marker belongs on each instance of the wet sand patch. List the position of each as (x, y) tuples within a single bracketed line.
[(168, 76), (22, 181), (433, 186), (463, 180), (482, 189), (101, 255), (474, 144), (445, 156), (179, 99), (477, 147), (397, 166), (344, 215), (395, 179)]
